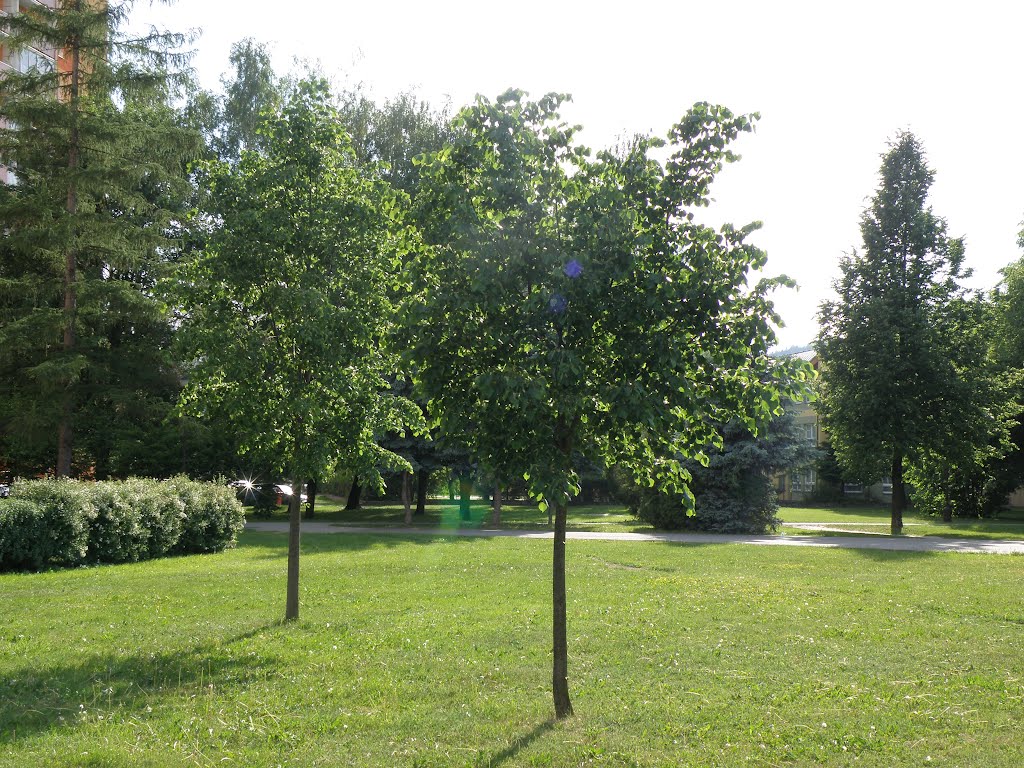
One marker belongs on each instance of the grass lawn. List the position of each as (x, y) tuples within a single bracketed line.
[(875, 519), (444, 514), (435, 652), (614, 517)]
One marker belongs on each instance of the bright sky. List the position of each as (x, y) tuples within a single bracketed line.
[(833, 82)]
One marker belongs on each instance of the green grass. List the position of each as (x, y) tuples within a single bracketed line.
[(875, 519), (425, 651), (444, 514)]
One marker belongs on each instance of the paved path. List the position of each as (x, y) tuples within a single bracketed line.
[(899, 544)]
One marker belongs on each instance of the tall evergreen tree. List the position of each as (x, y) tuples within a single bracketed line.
[(99, 159), (893, 389)]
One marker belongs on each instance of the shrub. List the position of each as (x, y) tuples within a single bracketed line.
[(64, 522), (161, 512), (62, 533), (117, 534), (21, 547), (213, 516)]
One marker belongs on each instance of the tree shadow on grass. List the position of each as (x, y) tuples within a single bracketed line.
[(275, 545), (39, 698), (894, 555), (512, 750), (887, 555)]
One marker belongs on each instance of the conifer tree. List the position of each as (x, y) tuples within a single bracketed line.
[(898, 383), (99, 158)]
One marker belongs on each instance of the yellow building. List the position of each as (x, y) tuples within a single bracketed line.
[(800, 484)]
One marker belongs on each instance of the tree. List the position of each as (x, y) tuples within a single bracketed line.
[(286, 313), (1007, 351), (961, 470), (99, 158), (252, 95), (735, 492), (892, 388), (571, 304)]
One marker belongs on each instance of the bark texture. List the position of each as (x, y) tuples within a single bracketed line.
[(291, 610), (422, 482), (560, 666), (354, 494), (899, 496), (496, 506)]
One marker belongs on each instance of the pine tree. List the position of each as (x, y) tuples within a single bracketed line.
[(99, 160)]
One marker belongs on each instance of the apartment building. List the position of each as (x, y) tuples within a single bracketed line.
[(802, 483), (28, 58)]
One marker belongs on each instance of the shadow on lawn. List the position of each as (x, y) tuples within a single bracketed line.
[(512, 750), (798, 553), (275, 545), (63, 695), (893, 556)]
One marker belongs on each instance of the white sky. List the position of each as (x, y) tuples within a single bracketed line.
[(833, 82)]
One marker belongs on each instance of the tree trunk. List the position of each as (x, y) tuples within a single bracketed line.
[(496, 510), (465, 490), (560, 667), (65, 436), (899, 499), (353, 495), (422, 481), (291, 610), (310, 499), (407, 496)]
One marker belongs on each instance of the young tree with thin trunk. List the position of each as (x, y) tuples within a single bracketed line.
[(895, 382), (287, 312), (572, 305)]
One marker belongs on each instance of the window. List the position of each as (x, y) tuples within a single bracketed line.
[(853, 488), (887, 486), (802, 480), (29, 59)]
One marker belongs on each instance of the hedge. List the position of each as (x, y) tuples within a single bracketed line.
[(65, 522)]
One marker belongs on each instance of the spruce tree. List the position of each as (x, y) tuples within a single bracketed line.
[(99, 160)]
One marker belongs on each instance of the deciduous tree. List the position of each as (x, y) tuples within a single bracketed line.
[(286, 313), (571, 304)]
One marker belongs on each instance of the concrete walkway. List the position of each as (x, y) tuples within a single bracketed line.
[(895, 544)]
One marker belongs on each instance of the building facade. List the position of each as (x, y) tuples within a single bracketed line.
[(27, 58)]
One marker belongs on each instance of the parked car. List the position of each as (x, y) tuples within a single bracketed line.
[(249, 491)]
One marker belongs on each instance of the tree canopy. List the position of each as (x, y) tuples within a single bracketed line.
[(99, 162), (286, 313), (904, 373), (573, 304)]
